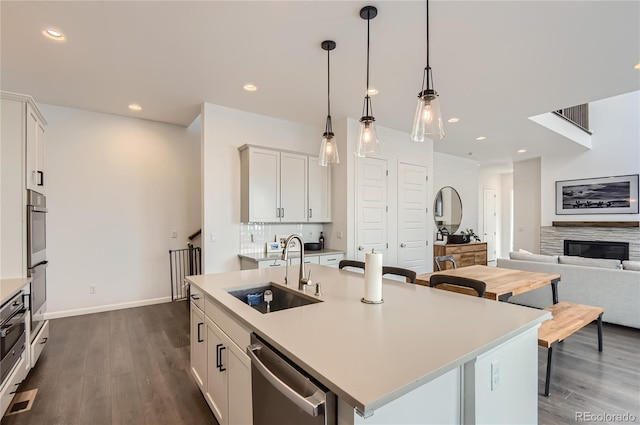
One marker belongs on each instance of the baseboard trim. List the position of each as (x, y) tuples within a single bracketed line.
[(103, 308)]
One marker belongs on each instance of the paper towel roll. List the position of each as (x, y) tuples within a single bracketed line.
[(373, 276)]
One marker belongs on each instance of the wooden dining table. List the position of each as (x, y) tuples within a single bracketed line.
[(501, 283)]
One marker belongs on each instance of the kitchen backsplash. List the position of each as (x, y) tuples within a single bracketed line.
[(253, 236)]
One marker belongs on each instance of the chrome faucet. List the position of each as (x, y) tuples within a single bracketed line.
[(302, 280)]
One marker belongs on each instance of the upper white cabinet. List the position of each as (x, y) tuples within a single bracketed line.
[(293, 187), (283, 187), (21, 157), (319, 192), (35, 149)]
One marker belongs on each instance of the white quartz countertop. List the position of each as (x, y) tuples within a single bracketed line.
[(371, 354), (10, 287), (270, 256)]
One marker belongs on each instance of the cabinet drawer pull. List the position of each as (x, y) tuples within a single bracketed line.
[(44, 340), (199, 337), (330, 259), (310, 212), (219, 348), (41, 178)]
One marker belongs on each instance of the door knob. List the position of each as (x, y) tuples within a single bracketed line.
[(360, 248), (402, 245)]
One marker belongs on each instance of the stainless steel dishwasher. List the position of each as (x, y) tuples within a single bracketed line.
[(283, 393)]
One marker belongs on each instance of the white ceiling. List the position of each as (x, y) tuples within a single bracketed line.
[(495, 63)]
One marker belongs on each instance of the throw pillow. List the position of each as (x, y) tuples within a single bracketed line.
[(631, 265), (534, 257), (590, 262)]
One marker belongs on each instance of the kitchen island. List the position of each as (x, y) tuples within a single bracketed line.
[(422, 356)]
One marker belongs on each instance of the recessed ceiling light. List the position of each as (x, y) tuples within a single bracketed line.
[(637, 66), (372, 91), (480, 138), (53, 34), (522, 151), (454, 119), (250, 87), (135, 107)]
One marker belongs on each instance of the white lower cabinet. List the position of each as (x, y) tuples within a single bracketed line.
[(217, 377), (198, 347), (220, 366), (331, 260), (39, 342), (13, 381)]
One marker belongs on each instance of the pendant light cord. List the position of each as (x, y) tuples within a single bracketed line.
[(366, 100), (427, 34), (328, 84)]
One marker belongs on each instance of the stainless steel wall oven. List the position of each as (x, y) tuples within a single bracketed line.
[(12, 333), (37, 257)]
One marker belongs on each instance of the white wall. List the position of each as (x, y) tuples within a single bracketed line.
[(116, 188), (224, 130), (526, 200), (615, 123), (506, 208), (462, 174)]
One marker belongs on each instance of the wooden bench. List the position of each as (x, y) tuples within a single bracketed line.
[(568, 318)]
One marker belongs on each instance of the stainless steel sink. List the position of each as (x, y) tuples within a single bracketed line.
[(282, 298)]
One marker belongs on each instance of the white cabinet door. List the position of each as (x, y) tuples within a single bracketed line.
[(240, 400), (198, 347), (293, 188), (34, 151), (319, 192), (264, 186), (217, 373)]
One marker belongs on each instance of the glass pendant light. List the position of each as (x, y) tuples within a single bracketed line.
[(427, 122), (328, 148), (368, 144)]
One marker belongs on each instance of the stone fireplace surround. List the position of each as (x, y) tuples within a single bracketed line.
[(552, 238)]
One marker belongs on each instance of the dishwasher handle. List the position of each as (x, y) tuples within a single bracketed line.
[(311, 408)]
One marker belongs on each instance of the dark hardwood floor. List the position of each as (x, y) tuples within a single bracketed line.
[(585, 381), (132, 367), (120, 367)]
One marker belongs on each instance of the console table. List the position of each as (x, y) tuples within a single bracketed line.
[(466, 254)]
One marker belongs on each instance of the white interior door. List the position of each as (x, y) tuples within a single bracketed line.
[(489, 231), (412, 217), (371, 206)]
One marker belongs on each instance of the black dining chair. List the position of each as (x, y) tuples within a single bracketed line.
[(351, 264), (409, 275), (444, 258), (456, 283)]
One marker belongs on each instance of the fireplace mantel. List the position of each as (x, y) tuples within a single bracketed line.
[(596, 224)]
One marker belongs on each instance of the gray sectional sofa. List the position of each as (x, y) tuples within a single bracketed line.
[(609, 284)]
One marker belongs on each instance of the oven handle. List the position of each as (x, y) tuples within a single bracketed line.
[(32, 270), (38, 209), (312, 409), (8, 327)]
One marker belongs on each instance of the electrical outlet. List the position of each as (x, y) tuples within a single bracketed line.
[(92, 289), (339, 234), (495, 375), (174, 234)]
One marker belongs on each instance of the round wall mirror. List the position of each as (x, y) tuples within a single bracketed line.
[(447, 210)]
